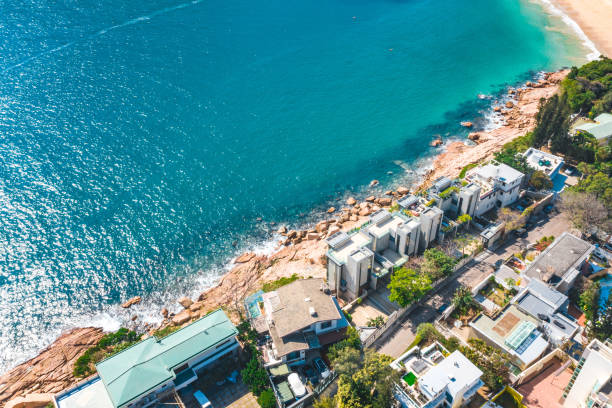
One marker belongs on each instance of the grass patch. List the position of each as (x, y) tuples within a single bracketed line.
[(270, 286), (410, 378), (466, 169), (166, 331)]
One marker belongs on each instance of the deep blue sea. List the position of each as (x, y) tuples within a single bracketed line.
[(140, 141)]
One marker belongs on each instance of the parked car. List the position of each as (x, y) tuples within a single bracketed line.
[(296, 385), (310, 374), (321, 367), (202, 400), (443, 307)]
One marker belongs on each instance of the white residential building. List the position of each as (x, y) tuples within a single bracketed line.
[(499, 185), (591, 384), (431, 380)]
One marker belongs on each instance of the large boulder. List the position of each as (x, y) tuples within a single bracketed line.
[(292, 234), (133, 301), (185, 302), (384, 201), (282, 230), (373, 183), (312, 236), (364, 211), (370, 199), (321, 226), (402, 190), (509, 104), (351, 201), (182, 317), (331, 210)]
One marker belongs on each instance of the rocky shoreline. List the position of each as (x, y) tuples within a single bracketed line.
[(301, 252)]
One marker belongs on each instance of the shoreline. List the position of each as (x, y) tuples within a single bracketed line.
[(590, 20), (301, 252)]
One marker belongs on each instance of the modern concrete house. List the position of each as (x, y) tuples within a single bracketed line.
[(349, 263), (454, 198), (431, 380), (301, 316), (153, 369), (499, 186), (359, 260), (548, 163), (550, 308), (560, 264), (512, 331), (591, 383)]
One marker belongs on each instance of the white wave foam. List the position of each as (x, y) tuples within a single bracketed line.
[(554, 9)]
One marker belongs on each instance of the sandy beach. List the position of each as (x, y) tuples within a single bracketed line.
[(594, 18)]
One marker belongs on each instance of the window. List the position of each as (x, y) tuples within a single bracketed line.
[(326, 325)]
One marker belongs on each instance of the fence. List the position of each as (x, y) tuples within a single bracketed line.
[(398, 314), (308, 399)]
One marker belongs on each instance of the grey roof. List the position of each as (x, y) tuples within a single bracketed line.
[(601, 129), (338, 239), (553, 298), (565, 253), (442, 184), (291, 306), (408, 201), (380, 216), (533, 305)]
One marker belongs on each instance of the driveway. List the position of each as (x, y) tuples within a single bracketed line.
[(403, 334)]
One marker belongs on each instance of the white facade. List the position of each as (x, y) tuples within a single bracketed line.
[(592, 386), (500, 186), (545, 162)]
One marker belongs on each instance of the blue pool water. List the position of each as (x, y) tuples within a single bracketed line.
[(140, 141)]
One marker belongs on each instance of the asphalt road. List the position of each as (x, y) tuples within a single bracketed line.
[(396, 342)]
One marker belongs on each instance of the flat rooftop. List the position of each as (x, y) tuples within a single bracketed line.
[(542, 161), (455, 372), (514, 331), (91, 394), (560, 256), (356, 241), (385, 225)]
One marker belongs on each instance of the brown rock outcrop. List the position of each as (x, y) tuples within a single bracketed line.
[(51, 370), (402, 190), (331, 210), (246, 257), (133, 301), (182, 317), (351, 201)]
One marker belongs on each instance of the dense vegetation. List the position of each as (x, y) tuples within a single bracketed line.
[(253, 374), (108, 345)]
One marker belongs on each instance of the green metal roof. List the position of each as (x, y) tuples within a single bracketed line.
[(139, 369)]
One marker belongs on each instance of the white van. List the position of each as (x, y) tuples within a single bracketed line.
[(202, 400)]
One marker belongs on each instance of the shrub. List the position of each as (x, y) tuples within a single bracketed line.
[(108, 345), (377, 321), (161, 333), (266, 399)]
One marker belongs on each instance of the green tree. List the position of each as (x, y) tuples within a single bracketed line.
[(540, 181), (324, 402), (493, 363), (463, 300), (352, 340), (437, 263), (464, 219), (589, 300), (267, 399), (377, 321), (463, 241), (254, 376), (408, 286), (347, 361)]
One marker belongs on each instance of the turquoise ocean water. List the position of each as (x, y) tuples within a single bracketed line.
[(140, 141)]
